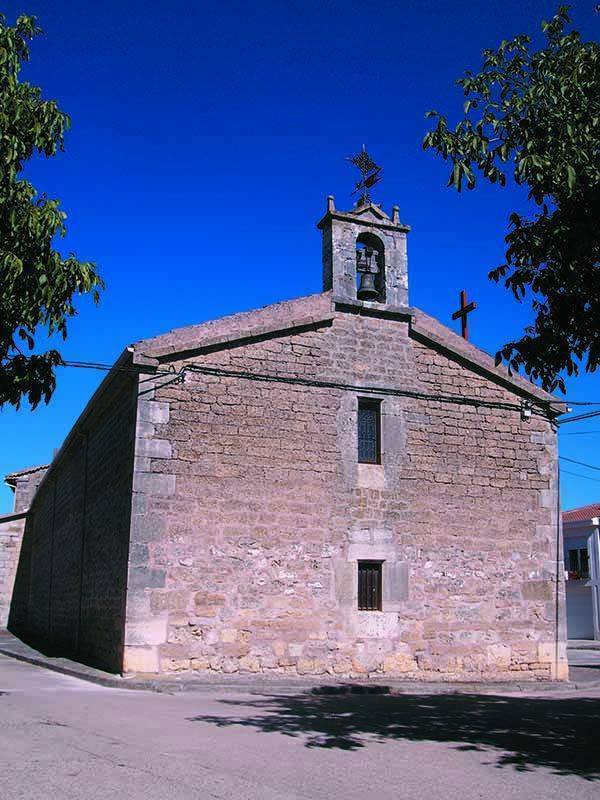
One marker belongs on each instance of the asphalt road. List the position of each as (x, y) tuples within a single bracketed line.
[(61, 737)]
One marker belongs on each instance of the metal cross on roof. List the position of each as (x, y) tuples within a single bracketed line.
[(371, 174), (465, 308)]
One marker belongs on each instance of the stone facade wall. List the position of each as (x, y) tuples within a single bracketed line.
[(69, 594), (250, 513)]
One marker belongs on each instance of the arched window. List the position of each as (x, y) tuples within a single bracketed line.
[(370, 268)]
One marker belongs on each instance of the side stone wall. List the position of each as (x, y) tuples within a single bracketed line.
[(69, 594), (12, 527), (250, 513), (11, 534)]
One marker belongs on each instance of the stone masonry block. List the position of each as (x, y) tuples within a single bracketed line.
[(538, 590), (141, 578), (345, 582), (146, 632), (154, 484), (140, 659), (144, 430), (141, 464), (371, 476), (499, 656), (394, 582), (139, 606), (551, 651), (154, 448), (372, 552), (138, 553), (148, 527), (153, 411), (139, 504)]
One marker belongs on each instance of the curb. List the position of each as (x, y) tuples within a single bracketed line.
[(103, 679), (323, 686)]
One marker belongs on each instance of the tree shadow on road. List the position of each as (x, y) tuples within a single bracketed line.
[(561, 734)]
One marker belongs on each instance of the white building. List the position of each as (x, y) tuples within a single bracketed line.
[(581, 534)]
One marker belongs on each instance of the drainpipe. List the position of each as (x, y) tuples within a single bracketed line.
[(559, 556), (595, 574)]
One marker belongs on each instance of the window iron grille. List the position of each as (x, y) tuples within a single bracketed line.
[(579, 565), (369, 585), (369, 432)]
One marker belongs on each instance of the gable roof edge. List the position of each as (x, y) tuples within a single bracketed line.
[(242, 327), (476, 360), (241, 338)]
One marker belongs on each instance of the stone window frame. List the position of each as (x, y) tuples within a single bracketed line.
[(374, 545), (372, 403)]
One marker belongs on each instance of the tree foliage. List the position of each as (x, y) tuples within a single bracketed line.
[(534, 116), (37, 284)]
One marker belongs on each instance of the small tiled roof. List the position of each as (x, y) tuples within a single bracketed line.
[(582, 514), (12, 476)]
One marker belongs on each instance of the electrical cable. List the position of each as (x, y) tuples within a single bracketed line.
[(313, 383), (221, 372), (578, 475), (580, 433), (579, 402), (456, 399), (102, 367), (579, 417), (581, 463)]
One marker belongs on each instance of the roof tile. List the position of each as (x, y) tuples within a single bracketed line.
[(582, 514)]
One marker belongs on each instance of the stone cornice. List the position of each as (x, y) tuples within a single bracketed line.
[(384, 223), (382, 311)]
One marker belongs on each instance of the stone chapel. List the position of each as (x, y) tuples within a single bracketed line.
[(336, 485)]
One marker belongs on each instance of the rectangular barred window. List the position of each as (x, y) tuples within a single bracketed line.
[(579, 566), (369, 431), (369, 585)]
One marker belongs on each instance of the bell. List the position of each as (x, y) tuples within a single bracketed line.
[(367, 289)]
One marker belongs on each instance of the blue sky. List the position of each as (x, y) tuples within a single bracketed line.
[(205, 139)]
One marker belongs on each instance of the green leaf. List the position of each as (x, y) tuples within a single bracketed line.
[(37, 284), (539, 116)]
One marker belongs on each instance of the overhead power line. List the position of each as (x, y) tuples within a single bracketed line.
[(99, 366), (579, 402), (579, 417), (578, 475), (176, 376), (546, 405), (580, 433), (204, 369), (580, 463)]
